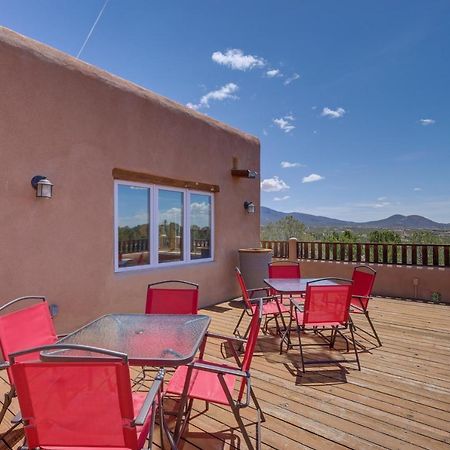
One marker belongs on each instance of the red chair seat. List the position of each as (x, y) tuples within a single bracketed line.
[(300, 316), (203, 385), (271, 308)]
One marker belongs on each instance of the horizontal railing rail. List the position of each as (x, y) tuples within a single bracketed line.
[(365, 252), (379, 253), (280, 248)]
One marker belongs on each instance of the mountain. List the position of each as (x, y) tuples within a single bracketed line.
[(394, 222)]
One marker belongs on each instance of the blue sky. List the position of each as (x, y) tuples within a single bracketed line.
[(353, 97)]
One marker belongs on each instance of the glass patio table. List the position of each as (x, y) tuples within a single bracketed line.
[(294, 286), (158, 340)]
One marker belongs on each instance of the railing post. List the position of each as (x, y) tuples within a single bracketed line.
[(292, 250)]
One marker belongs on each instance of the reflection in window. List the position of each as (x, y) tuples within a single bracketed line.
[(200, 226), (170, 226), (133, 225)]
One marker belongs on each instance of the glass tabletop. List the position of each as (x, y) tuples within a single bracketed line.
[(162, 340), (295, 285)]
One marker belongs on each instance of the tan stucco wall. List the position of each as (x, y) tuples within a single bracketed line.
[(74, 123), (391, 280)]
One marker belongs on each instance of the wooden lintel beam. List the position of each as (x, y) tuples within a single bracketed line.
[(129, 175), (243, 173)]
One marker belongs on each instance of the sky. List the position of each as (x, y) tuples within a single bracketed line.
[(350, 99)]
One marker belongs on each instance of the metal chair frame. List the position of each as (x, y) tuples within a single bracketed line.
[(8, 396), (250, 301), (150, 404), (239, 372), (363, 308), (335, 330)]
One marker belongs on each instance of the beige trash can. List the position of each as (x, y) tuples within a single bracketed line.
[(253, 263)]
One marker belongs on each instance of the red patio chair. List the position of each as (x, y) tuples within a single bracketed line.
[(325, 308), (82, 402), (272, 308), (29, 326), (363, 279), (172, 297), (214, 382), (283, 269)]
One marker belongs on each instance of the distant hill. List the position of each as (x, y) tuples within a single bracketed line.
[(394, 222)]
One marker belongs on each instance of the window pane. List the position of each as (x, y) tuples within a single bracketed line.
[(200, 226), (133, 222), (170, 205)]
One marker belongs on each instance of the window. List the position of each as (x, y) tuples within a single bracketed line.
[(158, 225)]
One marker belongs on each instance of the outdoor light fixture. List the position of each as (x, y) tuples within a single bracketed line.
[(249, 207), (42, 185)]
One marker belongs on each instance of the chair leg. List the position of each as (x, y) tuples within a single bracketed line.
[(257, 406), (236, 413), (366, 313), (236, 328), (286, 336), (354, 347), (299, 332)]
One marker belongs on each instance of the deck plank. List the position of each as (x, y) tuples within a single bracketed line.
[(400, 398)]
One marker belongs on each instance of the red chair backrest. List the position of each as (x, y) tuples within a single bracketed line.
[(327, 304), (172, 297), (243, 287), (255, 326), (25, 328), (284, 270), (363, 279), (75, 404)]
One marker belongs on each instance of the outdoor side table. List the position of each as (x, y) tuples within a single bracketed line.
[(159, 340)]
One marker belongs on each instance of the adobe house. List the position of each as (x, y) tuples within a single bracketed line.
[(143, 188)]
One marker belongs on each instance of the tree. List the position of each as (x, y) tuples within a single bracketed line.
[(385, 237), (283, 229)]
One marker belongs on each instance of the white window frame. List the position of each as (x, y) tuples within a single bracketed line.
[(153, 227)]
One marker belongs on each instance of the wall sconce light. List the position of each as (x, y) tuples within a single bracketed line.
[(43, 186), (250, 207)]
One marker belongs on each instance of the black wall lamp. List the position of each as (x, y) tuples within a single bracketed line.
[(43, 186), (250, 207)]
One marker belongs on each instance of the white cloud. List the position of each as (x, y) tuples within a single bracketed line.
[(274, 184), (274, 73), (280, 199), (225, 92), (285, 123), (289, 80), (426, 122), (290, 165), (381, 199), (417, 189), (236, 60), (333, 114), (311, 178), (265, 133)]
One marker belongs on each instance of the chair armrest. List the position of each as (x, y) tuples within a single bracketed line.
[(219, 370), (223, 336), (4, 365), (264, 299), (150, 399), (297, 306)]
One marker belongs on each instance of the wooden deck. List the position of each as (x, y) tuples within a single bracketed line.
[(400, 399)]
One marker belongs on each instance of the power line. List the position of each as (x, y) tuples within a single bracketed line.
[(92, 29)]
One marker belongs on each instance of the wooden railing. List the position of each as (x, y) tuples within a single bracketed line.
[(399, 254), (133, 246), (280, 248)]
